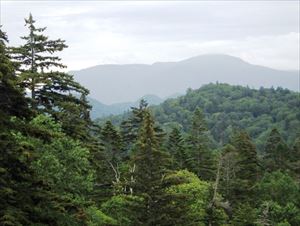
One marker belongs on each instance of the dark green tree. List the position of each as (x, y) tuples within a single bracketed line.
[(201, 158), (113, 153), (150, 167), (16, 178), (276, 152), (279, 197), (12, 100), (52, 91), (176, 147), (247, 169), (131, 126), (294, 159)]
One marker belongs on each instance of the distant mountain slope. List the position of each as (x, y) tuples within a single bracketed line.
[(227, 107), (122, 83), (101, 110)]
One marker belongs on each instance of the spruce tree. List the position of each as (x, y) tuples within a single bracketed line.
[(228, 169), (131, 126), (12, 100), (16, 178), (201, 159), (113, 151), (52, 91), (177, 149), (276, 152), (294, 159), (247, 172), (22, 194), (151, 165)]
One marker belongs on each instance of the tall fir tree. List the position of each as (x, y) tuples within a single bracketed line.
[(23, 195), (201, 159), (294, 159), (248, 169), (276, 152), (151, 165), (52, 91), (228, 169), (113, 152), (176, 147), (12, 100), (131, 126)]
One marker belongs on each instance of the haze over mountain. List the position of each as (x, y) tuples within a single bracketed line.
[(100, 110), (126, 83)]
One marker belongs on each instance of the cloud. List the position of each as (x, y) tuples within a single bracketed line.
[(99, 32)]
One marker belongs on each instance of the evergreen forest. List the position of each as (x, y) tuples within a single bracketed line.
[(220, 155)]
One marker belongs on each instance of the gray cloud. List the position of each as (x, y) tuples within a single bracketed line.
[(264, 33)]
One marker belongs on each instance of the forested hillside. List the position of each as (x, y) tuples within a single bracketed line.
[(227, 108), (190, 161)]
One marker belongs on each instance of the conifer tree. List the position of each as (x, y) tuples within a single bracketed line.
[(247, 172), (151, 166), (229, 159), (201, 159), (131, 126), (113, 151), (176, 148), (52, 91), (21, 192), (12, 100), (112, 143), (294, 159), (276, 152), (16, 178)]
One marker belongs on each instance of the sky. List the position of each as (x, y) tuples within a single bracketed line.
[(123, 32)]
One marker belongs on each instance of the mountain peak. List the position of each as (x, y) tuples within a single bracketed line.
[(215, 58)]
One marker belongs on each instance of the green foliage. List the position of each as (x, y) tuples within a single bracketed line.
[(245, 215), (16, 177), (280, 195), (150, 161), (150, 165), (226, 107), (228, 169), (196, 194), (96, 217), (247, 170), (200, 157), (57, 169), (125, 209), (130, 127), (294, 159), (276, 152), (176, 147), (195, 197), (52, 91), (63, 162), (275, 214), (279, 187)]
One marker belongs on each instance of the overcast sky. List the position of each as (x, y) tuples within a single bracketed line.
[(99, 32)]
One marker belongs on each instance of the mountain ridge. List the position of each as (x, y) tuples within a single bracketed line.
[(131, 81)]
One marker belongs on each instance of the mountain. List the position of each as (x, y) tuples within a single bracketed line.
[(125, 83), (100, 110)]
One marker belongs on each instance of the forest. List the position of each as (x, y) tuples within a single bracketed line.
[(218, 156)]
